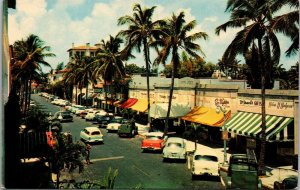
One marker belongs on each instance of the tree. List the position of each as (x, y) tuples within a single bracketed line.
[(257, 40), (177, 36), (109, 62), (140, 32), (288, 23), (28, 55), (60, 66), (133, 69)]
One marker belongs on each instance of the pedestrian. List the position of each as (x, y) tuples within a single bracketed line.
[(87, 151)]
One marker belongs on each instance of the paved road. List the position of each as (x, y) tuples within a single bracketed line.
[(145, 170)]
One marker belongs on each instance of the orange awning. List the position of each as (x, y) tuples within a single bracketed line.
[(129, 102), (207, 116), (141, 105)]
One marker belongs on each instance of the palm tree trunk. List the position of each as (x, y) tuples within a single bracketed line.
[(76, 95), (25, 96), (147, 75), (80, 96), (105, 94), (261, 163), (86, 96), (29, 94)]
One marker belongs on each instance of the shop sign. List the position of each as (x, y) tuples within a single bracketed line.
[(224, 135)]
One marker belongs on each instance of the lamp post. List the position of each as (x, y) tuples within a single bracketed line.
[(224, 130)]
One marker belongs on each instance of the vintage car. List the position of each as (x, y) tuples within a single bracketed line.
[(243, 173), (92, 113), (174, 149), (91, 134), (63, 116), (127, 129), (287, 183), (205, 163), (114, 124), (154, 141)]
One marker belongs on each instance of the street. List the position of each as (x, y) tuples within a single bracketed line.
[(135, 169)]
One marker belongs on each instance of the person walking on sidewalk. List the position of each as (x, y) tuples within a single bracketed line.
[(87, 151)]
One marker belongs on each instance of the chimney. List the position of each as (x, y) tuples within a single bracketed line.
[(87, 51)]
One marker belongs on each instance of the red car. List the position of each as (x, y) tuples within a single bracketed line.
[(153, 141)]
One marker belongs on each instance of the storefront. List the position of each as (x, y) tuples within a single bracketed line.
[(281, 125)]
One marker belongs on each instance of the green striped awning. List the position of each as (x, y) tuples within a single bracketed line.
[(249, 124)]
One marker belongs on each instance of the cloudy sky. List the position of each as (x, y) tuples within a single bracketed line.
[(62, 22)]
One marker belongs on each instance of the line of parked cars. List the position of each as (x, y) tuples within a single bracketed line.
[(172, 148)]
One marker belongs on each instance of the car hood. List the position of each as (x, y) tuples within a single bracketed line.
[(114, 124), (147, 141)]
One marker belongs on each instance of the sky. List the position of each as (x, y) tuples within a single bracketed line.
[(59, 23)]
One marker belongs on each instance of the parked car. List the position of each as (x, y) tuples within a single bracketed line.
[(79, 110), (154, 141), (205, 163), (128, 129), (114, 124), (174, 149), (287, 183), (91, 115), (102, 121), (91, 135), (63, 116), (243, 173)]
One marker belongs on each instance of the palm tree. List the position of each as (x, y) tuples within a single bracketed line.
[(84, 74), (258, 37), (178, 37), (29, 55), (70, 77), (140, 32), (288, 23), (109, 62)]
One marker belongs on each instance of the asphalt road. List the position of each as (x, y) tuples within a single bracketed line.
[(135, 168)]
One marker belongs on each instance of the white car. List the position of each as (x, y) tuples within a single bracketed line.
[(56, 101), (205, 163), (114, 124), (174, 149), (91, 134), (91, 115)]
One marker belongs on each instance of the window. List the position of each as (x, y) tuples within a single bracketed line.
[(206, 158), (153, 138), (173, 144), (95, 133)]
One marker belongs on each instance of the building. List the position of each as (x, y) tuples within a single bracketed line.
[(83, 50), (202, 97)]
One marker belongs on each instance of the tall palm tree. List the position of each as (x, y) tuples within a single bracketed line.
[(70, 77), (109, 63), (140, 32), (256, 36), (29, 55), (84, 73), (178, 37)]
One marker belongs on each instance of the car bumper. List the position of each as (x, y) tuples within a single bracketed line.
[(206, 173), (181, 157), (151, 148)]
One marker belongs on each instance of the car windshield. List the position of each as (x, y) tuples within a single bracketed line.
[(116, 120), (206, 158), (243, 166), (153, 137), (174, 144), (65, 113), (95, 133)]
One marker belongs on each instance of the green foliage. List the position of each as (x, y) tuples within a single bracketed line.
[(108, 181), (68, 155), (60, 66), (36, 119), (133, 68)]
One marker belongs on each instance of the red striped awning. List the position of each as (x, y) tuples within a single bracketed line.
[(129, 102)]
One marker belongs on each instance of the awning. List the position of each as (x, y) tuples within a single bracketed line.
[(129, 102), (141, 105), (249, 124), (206, 116), (117, 103), (159, 110)]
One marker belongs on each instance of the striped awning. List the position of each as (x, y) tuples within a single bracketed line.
[(249, 124), (129, 102), (141, 105)]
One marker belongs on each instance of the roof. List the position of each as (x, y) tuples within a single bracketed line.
[(175, 139), (210, 152), (84, 47), (92, 128)]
